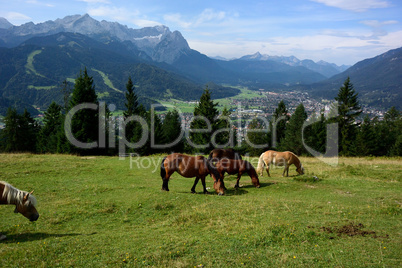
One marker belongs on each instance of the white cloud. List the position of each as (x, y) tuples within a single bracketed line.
[(355, 5), (206, 16), (15, 16), (95, 1), (122, 15), (346, 49)]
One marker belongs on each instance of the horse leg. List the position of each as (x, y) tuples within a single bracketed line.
[(286, 169), (165, 181), (195, 184), (204, 185), (238, 179), (269, 175)]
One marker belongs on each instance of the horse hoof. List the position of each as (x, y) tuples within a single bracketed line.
[(220, 194), (2, 237)]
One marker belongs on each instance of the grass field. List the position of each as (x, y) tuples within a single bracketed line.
[(188, 107), (98, 212)]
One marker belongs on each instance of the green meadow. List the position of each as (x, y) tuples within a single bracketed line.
[(107, 212)]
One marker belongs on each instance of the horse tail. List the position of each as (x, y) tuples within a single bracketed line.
[(261, 164), (163, 169)]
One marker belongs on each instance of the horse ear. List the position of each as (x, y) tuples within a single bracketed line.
[(32, 192), (26, 197)]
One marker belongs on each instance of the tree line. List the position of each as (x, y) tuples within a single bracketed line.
[(355, 136)]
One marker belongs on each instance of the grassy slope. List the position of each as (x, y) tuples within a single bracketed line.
[(96, 211)]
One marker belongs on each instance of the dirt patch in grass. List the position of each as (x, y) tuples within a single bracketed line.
[(351, 229)]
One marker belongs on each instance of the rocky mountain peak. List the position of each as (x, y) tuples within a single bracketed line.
[(5, 24), (157, 42)]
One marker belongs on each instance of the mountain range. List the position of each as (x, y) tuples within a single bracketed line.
[(36, 58)]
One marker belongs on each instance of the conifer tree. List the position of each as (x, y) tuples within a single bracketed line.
[(315, 133), (348, 111), (366, 140), (131, 109), (280, 118), (48, 135), (84, 124), (173, 130), (205, 114), (256, 138), (293, 133), (225, 135), (20, 132), (10, 133)]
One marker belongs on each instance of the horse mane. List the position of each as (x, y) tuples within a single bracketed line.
[(297, 159), (16, 196)]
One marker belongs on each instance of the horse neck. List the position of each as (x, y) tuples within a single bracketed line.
[(11, 195), (296, 161)]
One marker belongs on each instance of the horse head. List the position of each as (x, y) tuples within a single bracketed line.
[(219, 186), (300, 170), (27, 207)]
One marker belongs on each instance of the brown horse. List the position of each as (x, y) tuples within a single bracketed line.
[(24, 202), (218, 154), (279, 159), (238, 167), (189, 167)]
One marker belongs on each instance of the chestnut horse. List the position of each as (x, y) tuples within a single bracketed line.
[(279, 159), (189, 167), (24, 202), (218, 154), (238, 167)]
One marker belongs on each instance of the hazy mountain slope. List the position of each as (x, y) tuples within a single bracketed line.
[(34, 71), (377, 80)]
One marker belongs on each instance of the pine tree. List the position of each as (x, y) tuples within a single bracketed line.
[(172, 128), (225, 135), (393, 125), (10, 135), (348, 110), (256, 138), (315, 134), (280, 118), (131, 109), (48, 135), (84, 124), (205, 114), (20, 132), (366, 141), (293, 133)]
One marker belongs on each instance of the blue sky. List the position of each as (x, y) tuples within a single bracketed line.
[(338, 31)]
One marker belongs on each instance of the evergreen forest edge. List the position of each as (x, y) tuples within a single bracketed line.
[(363, 137)]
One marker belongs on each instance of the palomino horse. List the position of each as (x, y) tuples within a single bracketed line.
[(238, 167), (24, 202), (279, 159), (218, 154), (189, 167)]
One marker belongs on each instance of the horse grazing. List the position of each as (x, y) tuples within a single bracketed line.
[(238, 167), (189, 167), (218, 154), (279, 159), (24, 202)]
